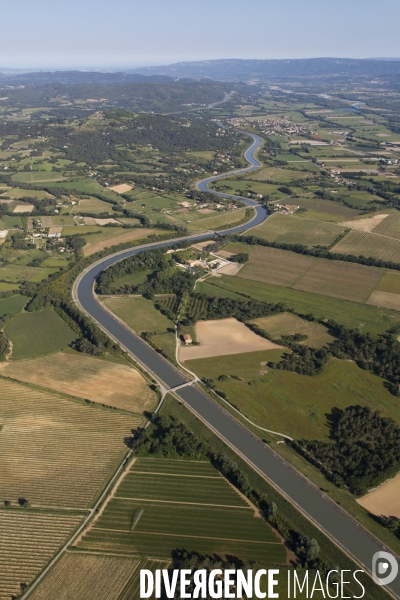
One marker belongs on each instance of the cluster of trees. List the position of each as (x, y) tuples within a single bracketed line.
[(209, 307), (3, 344), (18, 241), (364, 451), (170, 438)]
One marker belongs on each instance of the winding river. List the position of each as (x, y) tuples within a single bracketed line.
[(329, 517)]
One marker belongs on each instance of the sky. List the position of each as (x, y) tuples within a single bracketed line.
[(122, 34)]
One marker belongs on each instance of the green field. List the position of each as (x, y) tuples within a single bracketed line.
[(39, 333), (289, 324), (296, 405), (37, 176), (351, 314), (191, 510), (11, 222), (13, 304), (141, 315), (290, 229)]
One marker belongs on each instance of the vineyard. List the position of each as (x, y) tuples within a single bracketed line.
[(289, 229), (28, 541), (87, 576), (390, 227), (362, 243), (56, 451), (181, 510), (101, 381)]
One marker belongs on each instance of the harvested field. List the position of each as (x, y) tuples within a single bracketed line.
[(90, 221), (385, 500), (85, 377), (3, 233), (289, 324), (46, 221), (103, 222), (389, 227), (28, 541), (337, 279), (54, 230), (223, 337), (23, 208), (56, 451), (118, 238), (122, 188), (296, 230), (369, 244), (180, 511), (364, 224), (279, 267), (87, 576), (340, 279), (231, 269), (384, 299)]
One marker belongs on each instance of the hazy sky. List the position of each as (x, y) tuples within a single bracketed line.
[(131, 33)]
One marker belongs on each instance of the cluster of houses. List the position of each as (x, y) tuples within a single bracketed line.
[(288, 209)]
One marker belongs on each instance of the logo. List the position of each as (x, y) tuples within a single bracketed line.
[(384, 568)]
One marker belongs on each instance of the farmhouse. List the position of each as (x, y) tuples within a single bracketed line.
[(187, 339)]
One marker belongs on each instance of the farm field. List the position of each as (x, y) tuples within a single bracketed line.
[(366, 224), (38, 333), (219, 221), (13, 304), (222, 337), (363, 243), (389, 226), (352, 314), (55, 451), (133, 590), (337, 279), (289, 324), (141, 315), (116, 236), (28, 541), (167, 522), (92, 205), (79, 375), (384, 500), (296, 405), (290, 229), (87, 576)]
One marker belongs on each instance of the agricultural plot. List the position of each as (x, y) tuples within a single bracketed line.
[(290, 229), (293, 404), (384, 500), (177, 518), (219, 221), (367, 224), (28, 541), (337, 279), (87, 576), (222, 337), (389, 227), (89, 378), (39, 333), (113, 237), (362, 243), (92, 205), (133, 590), (56, 451), (289, 324), (13, 304)]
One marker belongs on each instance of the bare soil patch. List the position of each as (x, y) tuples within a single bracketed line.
[(223, 337), (55, 230), (85, 377), (385, 500), (121, 189), (90, 221), (23, 208), (103, 222), (46, 221), (364, 224), (231, 269), (385, 300)]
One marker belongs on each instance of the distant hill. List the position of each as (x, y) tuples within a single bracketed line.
[(245, 70), (79, 77)]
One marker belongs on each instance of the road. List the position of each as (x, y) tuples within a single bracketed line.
[(329, 517)]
